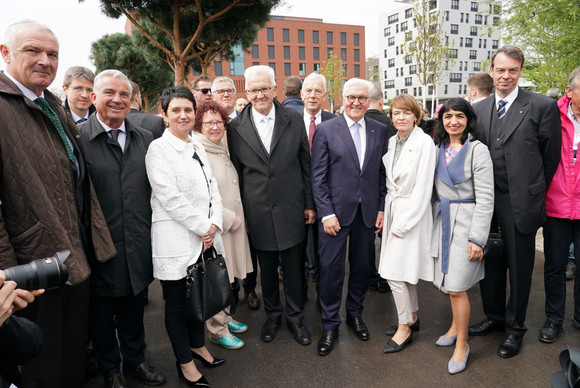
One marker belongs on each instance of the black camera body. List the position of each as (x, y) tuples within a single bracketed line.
[(48, 273)]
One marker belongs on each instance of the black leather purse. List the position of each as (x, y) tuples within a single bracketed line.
[(208, 289), (493, 250)]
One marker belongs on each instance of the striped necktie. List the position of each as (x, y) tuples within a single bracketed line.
[(501, 108)]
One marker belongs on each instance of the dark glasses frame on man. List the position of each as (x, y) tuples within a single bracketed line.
[(203, 90)]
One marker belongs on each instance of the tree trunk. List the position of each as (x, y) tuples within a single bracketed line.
[(179, 73)]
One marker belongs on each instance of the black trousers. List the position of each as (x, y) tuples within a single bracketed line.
[(292, 260), (117, 317), (559, 233), (183, 334), (518, 258), (62, 315)]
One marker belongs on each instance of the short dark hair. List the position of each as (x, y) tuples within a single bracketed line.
[(292, 86), (209, 106), (461, 105), (176, 92), (482, 82), (512, 52), (198, 79)]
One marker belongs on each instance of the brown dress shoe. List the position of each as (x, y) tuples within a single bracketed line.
[(145, 373), (115, 381)]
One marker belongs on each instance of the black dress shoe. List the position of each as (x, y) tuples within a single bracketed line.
[(201, 382), (269, 330), (550, 331), (300, 333), (358, 327), (115, 381), (416, 326), (252, 300), (485, 327), (510, 346), (145, 373), (214, 364), (393, 347), (326, 342)]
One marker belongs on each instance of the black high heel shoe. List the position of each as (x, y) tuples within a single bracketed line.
[(216, 361), (201, 382)]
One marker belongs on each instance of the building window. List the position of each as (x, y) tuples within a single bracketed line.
[(300, 36), (454, 4), (392, 62), (408, 13), (286, 52), (391, 41), (445, 89), (343, 38), (494, 44), (485, 43), (414, 92), (397, 51), (432, 4), (271, 54), (478, 19), (385, 53), (496, 21), (302, 69), (397, 72), (412, 69), (472, 54), (485, 20), (461, 18), (476, 66), (343, 54), (497, 9), (218, 68), (273, 66), (301, 52), (454, 28), (405, 91), (287, 69), (453, 53), (317, 67), (461, 42), (408, 59), (329, 52), (466, 18), (357, 70), (446, 16), (420, 92), (329, 37), (385, 74), (404, 26), (316, 53), (409, 36), (393, 18), (468, 42), (356, 55), (315, 37), (430, 90), (473, 31), (356, 38), (270, 34), (402, 72), (255, 51), (344, 69), (286, 35), (474, 6), (389, 84), (253, 64), (408, 81), (387, 31), (455, 77)]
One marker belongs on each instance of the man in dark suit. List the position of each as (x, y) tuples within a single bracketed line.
[(115, 151), (522, 131), (77, 85), (348, 183), (269, 148), (152, 123), (314, 95)]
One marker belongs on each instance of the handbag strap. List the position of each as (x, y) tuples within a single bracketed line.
[(196, 157)]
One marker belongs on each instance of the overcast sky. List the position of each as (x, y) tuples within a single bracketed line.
[(77, 25)]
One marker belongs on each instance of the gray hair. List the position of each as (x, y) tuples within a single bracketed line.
[(375, 94), (354, 82), (553, 93), (316, 76), (110, 73), (222, 79), (77, 72), (256, 71), (15, 30), (574, 78)]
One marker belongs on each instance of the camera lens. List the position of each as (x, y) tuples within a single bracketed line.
[(47, 273)]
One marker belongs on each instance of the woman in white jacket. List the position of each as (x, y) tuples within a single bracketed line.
[(187, 219), (410, 166)]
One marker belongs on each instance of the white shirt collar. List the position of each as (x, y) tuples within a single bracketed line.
[(107, 128), (258, 117), (509, 99), (77, 117), (350, 122), (27, 92)]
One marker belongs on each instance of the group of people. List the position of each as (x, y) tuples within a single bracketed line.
[(290, 187)]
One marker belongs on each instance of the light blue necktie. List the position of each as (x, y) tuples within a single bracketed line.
[(357, 142)]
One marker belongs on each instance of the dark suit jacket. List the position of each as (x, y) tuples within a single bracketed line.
[(337, 180), (275, 187), (531, 144), (379, 116), (152, 123)]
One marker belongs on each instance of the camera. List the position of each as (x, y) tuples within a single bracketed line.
[(48, 273)]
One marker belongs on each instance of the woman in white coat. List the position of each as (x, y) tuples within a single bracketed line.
[(186, 220), (463, 211), (405, 258)]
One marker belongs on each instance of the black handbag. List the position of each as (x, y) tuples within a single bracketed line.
[(493, 250), (208, 289)]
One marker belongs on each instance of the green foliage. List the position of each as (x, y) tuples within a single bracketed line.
[(119, 51), (333, 70), (547, 31), (192, 32)]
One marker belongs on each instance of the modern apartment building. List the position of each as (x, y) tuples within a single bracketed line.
[(472, 29)]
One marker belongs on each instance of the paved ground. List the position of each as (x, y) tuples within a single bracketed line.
[(353, 363)]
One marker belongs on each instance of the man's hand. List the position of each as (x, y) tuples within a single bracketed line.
[(379, 222), (7, 296), (309, 216), (331, 226)]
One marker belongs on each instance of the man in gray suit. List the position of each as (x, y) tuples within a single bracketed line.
[(522, 131), (269, 148)]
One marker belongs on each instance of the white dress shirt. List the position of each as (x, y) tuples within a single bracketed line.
[(265, 126), (509, 99), (307, 116), (363, 135)]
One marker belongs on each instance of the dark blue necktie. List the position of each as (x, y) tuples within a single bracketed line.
[(501, 108)]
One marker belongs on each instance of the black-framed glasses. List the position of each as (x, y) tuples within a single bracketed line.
[(224, 91), (361, 99), (203, 90), (214, 124), (256, 91)]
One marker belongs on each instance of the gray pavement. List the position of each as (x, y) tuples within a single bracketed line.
[(353, 363)]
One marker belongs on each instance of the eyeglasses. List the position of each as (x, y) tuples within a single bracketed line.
[(80, 89), (214, 124), (224, 91), (256, 91), (361, 99), (203, 90)]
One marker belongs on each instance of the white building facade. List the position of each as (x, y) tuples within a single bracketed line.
[(472, 29)]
